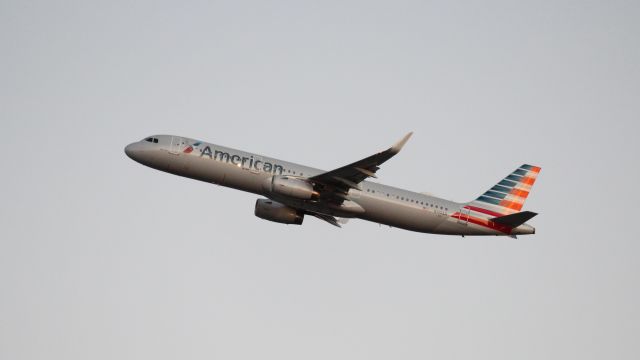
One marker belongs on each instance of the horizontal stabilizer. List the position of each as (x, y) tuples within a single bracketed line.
[(514, 220)]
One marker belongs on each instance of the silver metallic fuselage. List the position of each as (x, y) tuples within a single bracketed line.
[(248, 172)]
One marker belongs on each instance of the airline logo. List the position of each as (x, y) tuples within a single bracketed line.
[(189, 149), (508, 195)]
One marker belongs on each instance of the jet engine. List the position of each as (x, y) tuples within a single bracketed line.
[(274, 211), (290, 186)]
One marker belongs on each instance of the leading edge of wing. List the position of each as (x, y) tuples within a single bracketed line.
[(351, 175)]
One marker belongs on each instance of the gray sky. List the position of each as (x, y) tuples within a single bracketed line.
[(103, 258)]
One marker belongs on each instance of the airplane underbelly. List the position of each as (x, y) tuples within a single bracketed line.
[(243, 179), (203, 169), (220, 173), (417, 218), (398, 215)]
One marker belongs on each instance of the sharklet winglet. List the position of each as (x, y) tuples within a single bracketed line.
[(400, 144)]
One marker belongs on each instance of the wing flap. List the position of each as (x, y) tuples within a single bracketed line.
[(328, 218)]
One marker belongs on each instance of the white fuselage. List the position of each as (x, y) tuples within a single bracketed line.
[(249, 172)]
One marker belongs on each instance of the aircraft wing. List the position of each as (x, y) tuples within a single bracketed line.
[(349, 176)]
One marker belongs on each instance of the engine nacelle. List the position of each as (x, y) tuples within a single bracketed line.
[(290, 186), (274, 211)]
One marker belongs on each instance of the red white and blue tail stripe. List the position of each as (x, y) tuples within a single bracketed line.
[(507, 196)]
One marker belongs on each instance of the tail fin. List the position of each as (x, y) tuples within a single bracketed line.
[(508, 196)]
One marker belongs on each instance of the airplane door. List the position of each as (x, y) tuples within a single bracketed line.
[(176, 145), (464, 216)]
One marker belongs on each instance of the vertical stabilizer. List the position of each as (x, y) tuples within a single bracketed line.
[(507, 196)]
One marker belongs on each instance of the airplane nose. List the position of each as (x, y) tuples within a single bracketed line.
[(131, 150)]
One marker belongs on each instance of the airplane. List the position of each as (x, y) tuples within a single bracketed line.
[(292, 191)]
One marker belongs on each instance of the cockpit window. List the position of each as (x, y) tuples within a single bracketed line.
[(151, 140), (148, 139), (155, 140)]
